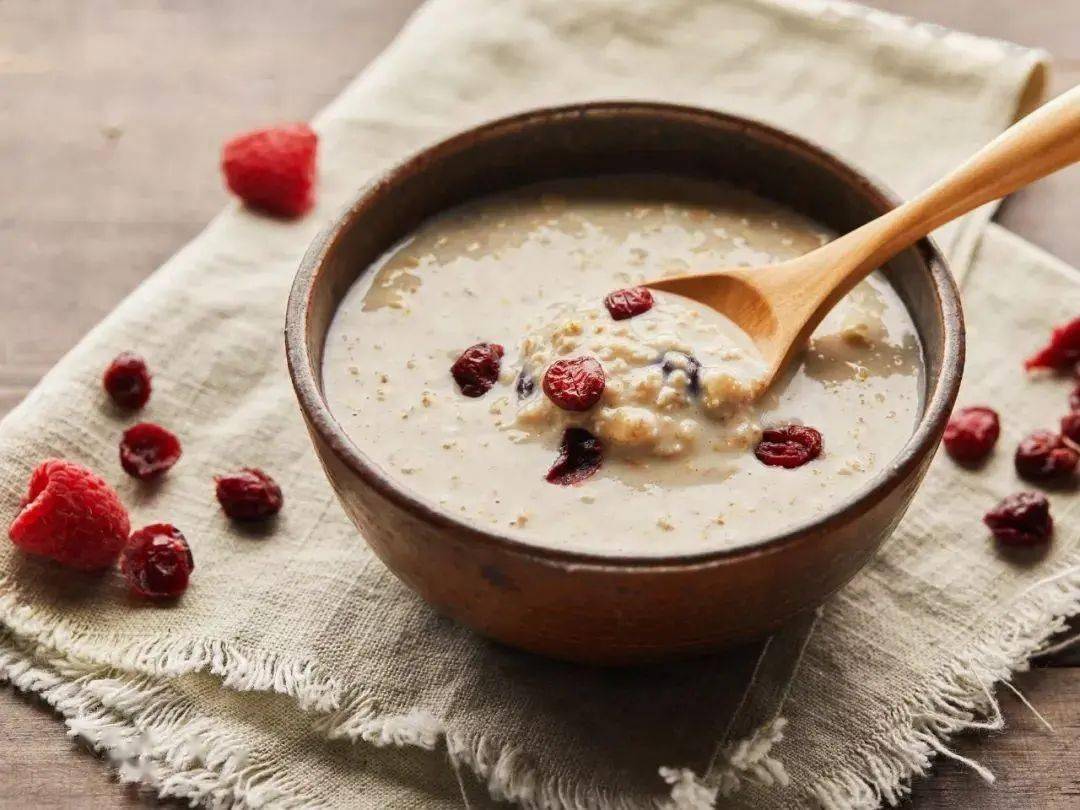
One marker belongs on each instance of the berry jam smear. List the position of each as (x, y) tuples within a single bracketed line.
[(575, 384), (249, 494), (1044, 456), (127, 381), (1022, 519), (157, 562), (477, 368), (971, 433), (580, 455), (789, 446), (623, 304), (148, 451)]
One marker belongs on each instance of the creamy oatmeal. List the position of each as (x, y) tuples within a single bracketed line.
[(674, 375), (649, 400)]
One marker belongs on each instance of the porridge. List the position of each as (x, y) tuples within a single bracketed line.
[(503, 364)]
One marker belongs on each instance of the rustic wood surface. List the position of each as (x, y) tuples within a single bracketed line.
[(111, 116)]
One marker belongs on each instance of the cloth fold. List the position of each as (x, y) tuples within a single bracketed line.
[(341, 687)]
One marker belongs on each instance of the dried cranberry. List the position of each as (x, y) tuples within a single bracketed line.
[(580, 455), (1043, 456), (1074, 398), (575, 384), (1063, 350), (1070, 427), (148, 450), (477, 369), (789, 446), (1021, 520), (971, 433), (623, 304), (249, 494), (127, 381), (157, 561)]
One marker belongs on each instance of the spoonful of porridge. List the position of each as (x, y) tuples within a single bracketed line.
[(780, 305)]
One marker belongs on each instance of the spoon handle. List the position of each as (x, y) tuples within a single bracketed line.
[(1041, 143)]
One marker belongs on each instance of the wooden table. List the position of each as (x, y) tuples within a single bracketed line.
[(111, 117)]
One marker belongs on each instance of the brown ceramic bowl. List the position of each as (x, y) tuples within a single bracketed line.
[(587, 607)]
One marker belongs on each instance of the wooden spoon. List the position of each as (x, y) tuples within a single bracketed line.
[(780, 305)]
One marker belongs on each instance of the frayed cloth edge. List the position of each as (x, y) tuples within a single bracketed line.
[(508, 772), (153, 743), (959, 698)]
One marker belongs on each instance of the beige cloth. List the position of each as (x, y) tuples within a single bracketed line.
[(343, 689)]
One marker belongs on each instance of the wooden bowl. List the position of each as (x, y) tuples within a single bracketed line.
[(580, 606)]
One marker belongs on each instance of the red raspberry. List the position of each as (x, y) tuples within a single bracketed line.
[(789, 446), (273, 169), (72, 516), (1063, 350), (971, 433), (249, 494), (148, 450), (1070, 427), (1021, 520), (1043, 456), (157, 562), (580, 455), (127, 381), (477, 368), (575, 384), (623, 304)]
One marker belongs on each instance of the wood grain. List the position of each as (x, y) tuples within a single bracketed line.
[(1035, 769), (111, 114)]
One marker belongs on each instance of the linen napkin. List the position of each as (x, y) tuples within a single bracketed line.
[(340, 687)]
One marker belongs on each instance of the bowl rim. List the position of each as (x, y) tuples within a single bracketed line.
[(937, 406)]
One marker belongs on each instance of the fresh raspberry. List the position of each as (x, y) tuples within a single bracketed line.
[(148, 450), (575, 384), (1070, 427), (580, 455), (1021, 520), (789, 446), (1043, 456), (477, 368), (623, 304), (1063, 350), (971, 433), (273, 169), (71, 516), (127, 381), (157, 562), (249, 494)]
